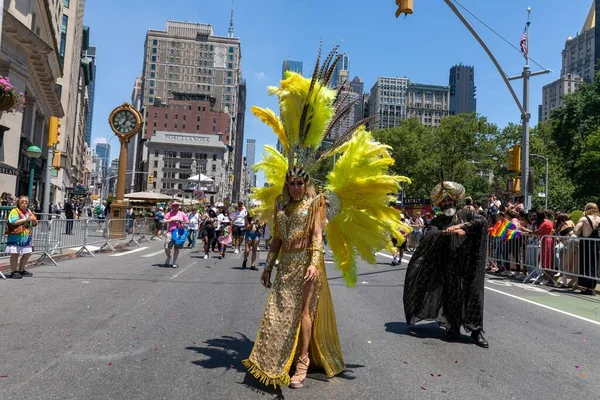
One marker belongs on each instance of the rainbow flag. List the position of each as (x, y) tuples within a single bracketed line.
[(512, 234), (500, 228)]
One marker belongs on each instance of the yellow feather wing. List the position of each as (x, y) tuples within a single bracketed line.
[(365, 220), (274, 165), (270, 118)]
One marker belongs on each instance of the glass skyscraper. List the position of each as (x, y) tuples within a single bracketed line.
[(289, 65)]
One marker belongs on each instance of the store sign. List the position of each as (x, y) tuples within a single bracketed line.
[(181, 138), (416, 201), (6, 169)]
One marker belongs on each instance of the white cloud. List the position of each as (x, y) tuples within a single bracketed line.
[(260, 75), (99, 140)]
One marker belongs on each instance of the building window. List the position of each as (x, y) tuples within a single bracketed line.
[(59, 90), (198, 118), (229, 81), (165, 124), (154, 42), (152, 74), (154, 50), (153, 58), (151, 91), (155, 153), (176, 116), (154, 132), (155, 163), (214, 157), (155, 124), (197, 127), (231, 57), (214, 168), (230, 65), (184, 116), (186, 154), (152, 84), (214, 128), (153, 67), (150, 99), (66, 3), (231, 49), (229, 74), (214, 120), (175, 127)]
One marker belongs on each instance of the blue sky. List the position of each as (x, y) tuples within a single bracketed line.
[(421, 47)]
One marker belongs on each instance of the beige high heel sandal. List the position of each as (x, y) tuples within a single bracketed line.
[(299, 377)]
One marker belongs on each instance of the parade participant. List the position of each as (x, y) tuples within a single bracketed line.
[(173, 219), (445, 277), (298, 326), (19, 237), (252, 238)]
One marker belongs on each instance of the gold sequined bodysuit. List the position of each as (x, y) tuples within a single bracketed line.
[(277, 338)]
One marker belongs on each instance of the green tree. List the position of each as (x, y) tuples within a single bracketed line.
[(576, 130)]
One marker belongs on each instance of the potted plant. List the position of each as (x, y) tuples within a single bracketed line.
[(10, 99)]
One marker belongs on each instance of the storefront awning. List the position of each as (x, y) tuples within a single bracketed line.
[(6, 169)]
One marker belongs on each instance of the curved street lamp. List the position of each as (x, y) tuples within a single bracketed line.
[(33, 152)]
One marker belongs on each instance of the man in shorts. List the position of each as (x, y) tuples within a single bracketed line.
[(239, 227), (172, 218)]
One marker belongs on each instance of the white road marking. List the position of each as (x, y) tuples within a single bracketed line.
[(181, 271), (153, 254), (545, 306), (128, 252), (404, 257)]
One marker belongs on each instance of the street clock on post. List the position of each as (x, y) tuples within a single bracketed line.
[(125, 121)]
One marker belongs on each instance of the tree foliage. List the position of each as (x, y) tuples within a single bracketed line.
[(575, 129), (472, 151)]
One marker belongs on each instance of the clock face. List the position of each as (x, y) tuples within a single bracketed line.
[(125, 121)]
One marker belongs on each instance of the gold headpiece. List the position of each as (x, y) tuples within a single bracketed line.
[(444, 189)]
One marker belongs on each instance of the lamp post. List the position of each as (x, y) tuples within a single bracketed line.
[(33, 152), (546, 180)]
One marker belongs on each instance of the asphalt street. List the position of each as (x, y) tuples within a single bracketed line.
[(122, 326)]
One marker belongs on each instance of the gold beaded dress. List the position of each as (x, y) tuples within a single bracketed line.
[(277, 339)]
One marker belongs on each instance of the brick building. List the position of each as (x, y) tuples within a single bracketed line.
[(188, 116)]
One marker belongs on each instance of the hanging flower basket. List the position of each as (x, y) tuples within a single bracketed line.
[(10, 99)]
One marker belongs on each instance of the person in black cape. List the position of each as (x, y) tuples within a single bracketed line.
[(445, 277)]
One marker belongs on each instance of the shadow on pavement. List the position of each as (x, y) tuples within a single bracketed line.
[(228, 352), (429, 330)]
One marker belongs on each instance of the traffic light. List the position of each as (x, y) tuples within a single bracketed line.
[(514, 158), (404, 7), (514, 185), (53, 131), (150, 179), (56, 160)]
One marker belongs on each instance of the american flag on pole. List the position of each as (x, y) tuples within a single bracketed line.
[(524, 43)]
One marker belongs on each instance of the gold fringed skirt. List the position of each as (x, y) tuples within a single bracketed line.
[(277, 339)]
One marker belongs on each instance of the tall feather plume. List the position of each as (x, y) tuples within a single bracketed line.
[(308, 100), (345, 136), (326, 63), (340, 115), (327, 78)]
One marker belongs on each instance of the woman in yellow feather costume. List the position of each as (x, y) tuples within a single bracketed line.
[(299, 318)]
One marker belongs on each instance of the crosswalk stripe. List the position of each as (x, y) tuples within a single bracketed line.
[(128, 252), (153, 254)]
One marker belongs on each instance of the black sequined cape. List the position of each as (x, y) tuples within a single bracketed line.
[(445, 277)]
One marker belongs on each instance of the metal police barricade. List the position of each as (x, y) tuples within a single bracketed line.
[(116, 229), (69, 234), (141, 229), (97, 233), (572, 257), (520, 252)]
